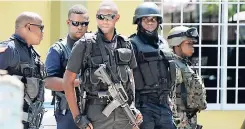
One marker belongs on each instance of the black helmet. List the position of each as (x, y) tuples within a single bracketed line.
[(147, 9)]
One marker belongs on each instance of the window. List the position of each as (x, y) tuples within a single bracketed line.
[(220, 51)]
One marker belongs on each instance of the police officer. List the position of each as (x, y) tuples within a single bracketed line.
[(20, 59), (115, 52), (11, 90), (56, 62), (190, 95), (154, 74)]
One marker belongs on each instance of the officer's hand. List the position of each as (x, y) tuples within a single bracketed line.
[(82, 122), (90, 126), (139, 117), (76, 83), (139, 120)]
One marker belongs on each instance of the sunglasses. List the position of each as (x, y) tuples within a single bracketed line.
[(41, 27), (105, 17), (76, 23)]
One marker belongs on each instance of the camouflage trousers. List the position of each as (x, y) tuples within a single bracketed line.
[(182, 121)]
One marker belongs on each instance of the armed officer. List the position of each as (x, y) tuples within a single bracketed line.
[(190, 96), (56, 62), (154, 75), (114, 51), (20, 59)]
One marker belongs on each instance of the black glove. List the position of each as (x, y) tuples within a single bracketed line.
[(82, 121)]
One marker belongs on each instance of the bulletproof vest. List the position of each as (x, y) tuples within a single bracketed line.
[(190, 90), (152, 74), (117, 60), (29, 69), (65, 53), (64, 57)]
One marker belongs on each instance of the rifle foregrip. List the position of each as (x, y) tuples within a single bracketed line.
[(130, 115)]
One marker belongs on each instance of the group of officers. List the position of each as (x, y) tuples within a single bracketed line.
[(147, 68)]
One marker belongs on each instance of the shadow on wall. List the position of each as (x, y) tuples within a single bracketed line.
[(243, 125)]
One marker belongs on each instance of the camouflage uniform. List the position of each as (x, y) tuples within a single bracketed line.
[(180, 116), (190, 94)]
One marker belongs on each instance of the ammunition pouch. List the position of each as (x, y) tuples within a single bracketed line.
[(123, 57)]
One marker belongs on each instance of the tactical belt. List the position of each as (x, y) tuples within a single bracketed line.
[(154, 100), (98, 101)]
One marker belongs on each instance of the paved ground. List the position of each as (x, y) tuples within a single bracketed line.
[(48, 120)]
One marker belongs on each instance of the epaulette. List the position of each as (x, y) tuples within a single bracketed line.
[(3, 43), (57, 42)]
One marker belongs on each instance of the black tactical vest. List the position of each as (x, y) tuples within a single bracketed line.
[(152, 74), (29, 69), (117, 60)]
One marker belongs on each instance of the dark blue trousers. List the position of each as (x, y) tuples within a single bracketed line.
[(65, 121), (156, 116)]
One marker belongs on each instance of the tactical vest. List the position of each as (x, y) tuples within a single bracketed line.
[(64, 57), (190, 90), (153, 73), (30, 70), (65, 53), (118, 60)]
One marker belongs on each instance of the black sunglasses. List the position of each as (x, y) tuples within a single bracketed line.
[(76, 23), (41, 27), (105, 17)]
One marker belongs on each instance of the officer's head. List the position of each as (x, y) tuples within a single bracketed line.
[(107, 16), (148, 17), (77, 21), (181, 40), (29, 26)]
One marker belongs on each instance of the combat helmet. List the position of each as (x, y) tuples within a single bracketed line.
[(147, 9), (180, 33)]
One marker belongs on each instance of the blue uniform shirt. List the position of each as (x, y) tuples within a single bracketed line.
[(8, 54), (54, 63)]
